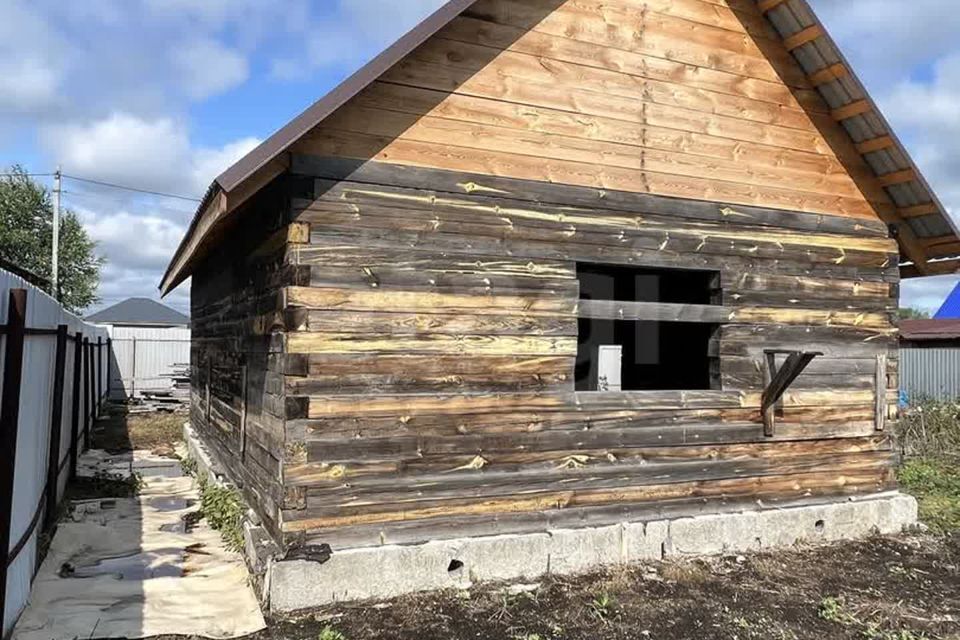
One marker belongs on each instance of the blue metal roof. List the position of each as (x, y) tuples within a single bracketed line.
[(951, 306)]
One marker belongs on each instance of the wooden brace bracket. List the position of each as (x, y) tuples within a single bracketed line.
[(778, 379)]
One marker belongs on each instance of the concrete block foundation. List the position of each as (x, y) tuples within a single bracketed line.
[(377, 573)]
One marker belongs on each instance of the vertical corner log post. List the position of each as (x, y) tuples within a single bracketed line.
[(109, 367), (75, 403), (56, 427), (9, 419), (880, 408), (99, 373)]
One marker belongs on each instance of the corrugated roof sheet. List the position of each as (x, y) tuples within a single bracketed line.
[(790, 18), (935, 329)]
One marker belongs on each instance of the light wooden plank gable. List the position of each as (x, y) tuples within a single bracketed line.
[(687, 98)]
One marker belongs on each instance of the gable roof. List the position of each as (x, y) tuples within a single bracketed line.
[(928, 239), (139, 311)]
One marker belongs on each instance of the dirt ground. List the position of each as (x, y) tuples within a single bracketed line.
[(119, 430), (885, 588), (900, 588)]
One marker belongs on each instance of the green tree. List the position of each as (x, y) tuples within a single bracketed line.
[(910, 313), (26, 239)]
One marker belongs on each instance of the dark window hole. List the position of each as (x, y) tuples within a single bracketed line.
[(455, 565)]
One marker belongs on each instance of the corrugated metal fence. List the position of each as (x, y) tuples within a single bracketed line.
[(143, 358), (54, 372), (930, 373)]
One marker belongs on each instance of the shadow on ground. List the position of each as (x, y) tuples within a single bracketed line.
[(121, 430)]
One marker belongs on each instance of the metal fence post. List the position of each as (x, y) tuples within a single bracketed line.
[(56, 426), (99, 373), (9, 418), (75, 402), (133, 369), (109, 372), (87, 411)]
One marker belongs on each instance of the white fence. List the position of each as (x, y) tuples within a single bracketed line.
[(930, 373), (47, 405), (143, 358)]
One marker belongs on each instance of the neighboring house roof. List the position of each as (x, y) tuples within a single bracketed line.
[(920, 330), (142, 311), (951, 306), (928, 239)]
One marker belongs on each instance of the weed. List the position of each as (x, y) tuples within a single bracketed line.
[(603, 607), (930, 428), (936, 485), (329, 633), (835, 610), (223, 508), (742, 623), (189, 466), (683, 572)]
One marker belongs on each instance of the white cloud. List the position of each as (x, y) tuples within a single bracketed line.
[(32, 63), (926, 293), (149, 154), (144, 241), (349, 34), (208, 67), (120, 283), (207, 164), (887, 38), (27, 84)]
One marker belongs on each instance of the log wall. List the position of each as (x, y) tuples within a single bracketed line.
[(236, 299), (431, 341), (404, 305)]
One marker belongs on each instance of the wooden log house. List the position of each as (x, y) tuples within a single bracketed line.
[(561, 263)]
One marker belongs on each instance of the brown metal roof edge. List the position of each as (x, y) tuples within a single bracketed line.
[(319, 110), (166, 283), (920, 179), (284, 137)]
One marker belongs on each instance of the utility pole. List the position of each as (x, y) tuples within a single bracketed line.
[(55, 262)]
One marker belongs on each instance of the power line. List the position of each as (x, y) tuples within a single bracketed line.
[(134, 189), (96, 200), (27, 175)]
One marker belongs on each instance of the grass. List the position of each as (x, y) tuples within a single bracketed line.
[(929, 439), (936, 485)]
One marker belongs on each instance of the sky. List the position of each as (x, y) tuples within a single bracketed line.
[(163, 95)]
